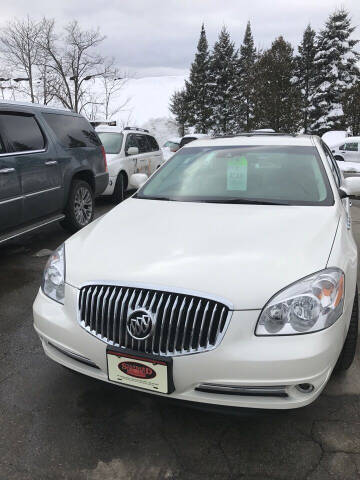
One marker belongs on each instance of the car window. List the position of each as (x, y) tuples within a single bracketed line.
[(72, 131), (143, 143), (342, 147), (131, 141), (112, 141), (351, 147), (186, 140), (2, 146), (335, 170), (23, 132), (291, 175), (153, 143)]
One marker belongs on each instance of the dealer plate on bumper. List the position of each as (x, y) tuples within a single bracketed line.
[(143, 371)]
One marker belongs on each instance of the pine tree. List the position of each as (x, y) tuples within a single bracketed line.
[(337, 72), (351, 105), (306, 73), (277, 96), (224, 91), (197, 88), (179, 108), (246, 72)]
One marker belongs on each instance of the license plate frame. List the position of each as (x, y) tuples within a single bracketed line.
[(139, 364)]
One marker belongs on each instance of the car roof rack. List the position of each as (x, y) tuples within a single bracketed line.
[(138, 129), (256, 134)]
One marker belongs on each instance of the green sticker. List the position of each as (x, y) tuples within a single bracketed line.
[(237, 174)]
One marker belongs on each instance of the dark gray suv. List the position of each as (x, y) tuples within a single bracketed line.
[(52, 165)]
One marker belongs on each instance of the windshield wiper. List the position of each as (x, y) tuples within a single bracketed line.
[(246, 201), (168, 199)]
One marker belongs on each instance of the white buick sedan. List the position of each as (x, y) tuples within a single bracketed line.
[(229, 278)]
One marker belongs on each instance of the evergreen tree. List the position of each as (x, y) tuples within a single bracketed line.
[(306, 73), (197, 88), (179, 108), (223, 91), (277, 97), (246, 73), (351, 105), (337, 72)]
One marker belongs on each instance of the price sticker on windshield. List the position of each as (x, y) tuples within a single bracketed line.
[(237, 174)]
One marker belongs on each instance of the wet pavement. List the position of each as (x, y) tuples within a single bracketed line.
[(55, 424)]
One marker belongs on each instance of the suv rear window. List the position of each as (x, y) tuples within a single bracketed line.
[(112, 141), (23, 132), (72, 131)]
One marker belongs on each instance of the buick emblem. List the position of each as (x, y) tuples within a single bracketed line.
[(140, 324)]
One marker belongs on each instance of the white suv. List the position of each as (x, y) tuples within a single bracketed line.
[(234, 282), (348, 150), (128, 150)]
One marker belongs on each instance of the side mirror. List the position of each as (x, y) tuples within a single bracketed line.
[(174, 149), (350, 187), (137, 180), (132, 151)]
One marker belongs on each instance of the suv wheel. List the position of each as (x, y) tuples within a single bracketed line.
[(339, 158), (80, 207), (348, 352), (119, 191)]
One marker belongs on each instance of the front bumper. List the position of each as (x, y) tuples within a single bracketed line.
[(241, 359)]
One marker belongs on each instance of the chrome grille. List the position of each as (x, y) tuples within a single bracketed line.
[(184, 323)]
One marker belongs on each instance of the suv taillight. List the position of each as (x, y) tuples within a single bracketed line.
[(104, 156)]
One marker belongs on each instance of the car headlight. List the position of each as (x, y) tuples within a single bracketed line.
[(53, 283), (309, 305)]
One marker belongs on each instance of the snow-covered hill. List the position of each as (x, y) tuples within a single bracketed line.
[(148, 97)]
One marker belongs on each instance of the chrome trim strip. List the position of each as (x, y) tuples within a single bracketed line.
[(22, 197), (23, 232), (258, 391), (73, 355), (25, 152), (42, 191), (11, 200)]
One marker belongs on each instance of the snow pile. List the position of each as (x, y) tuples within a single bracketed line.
[(334, 137), (163, 128), (349, 167)]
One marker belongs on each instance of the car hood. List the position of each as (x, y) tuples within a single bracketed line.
[(242, 253)]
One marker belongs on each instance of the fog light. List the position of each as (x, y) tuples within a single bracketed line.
[(305, 387)]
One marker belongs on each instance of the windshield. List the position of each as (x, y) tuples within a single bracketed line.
[(112, 141), (248, 174)]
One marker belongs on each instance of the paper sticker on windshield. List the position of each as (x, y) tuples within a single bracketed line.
[(237, 174)]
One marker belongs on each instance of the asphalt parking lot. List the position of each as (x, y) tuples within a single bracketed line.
[(55, 424)]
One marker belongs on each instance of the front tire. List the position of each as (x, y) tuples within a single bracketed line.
[(80, 208), (347, 354), (119, 191), (339, 158)]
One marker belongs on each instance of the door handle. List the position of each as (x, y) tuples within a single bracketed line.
[(7, 170), (51, 162)]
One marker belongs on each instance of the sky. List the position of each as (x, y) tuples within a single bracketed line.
[(159, 37)]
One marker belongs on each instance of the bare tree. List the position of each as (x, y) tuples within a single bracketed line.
[(112, 81), (19, 46), (73, 60)]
